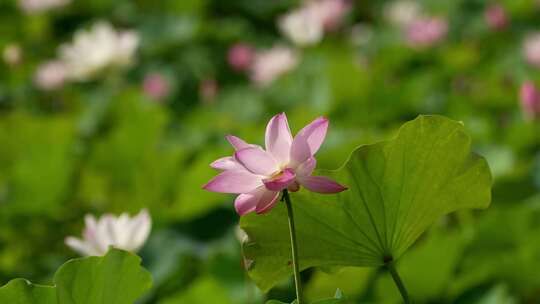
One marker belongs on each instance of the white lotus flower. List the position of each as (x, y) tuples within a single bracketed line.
[(402, 13), (272, 63), (306, 25), (122, 232), (302, 26), (38, 6), (96, 49), (531, 49)]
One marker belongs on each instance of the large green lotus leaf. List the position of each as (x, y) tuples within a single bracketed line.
[(397, 189), (116, 278)]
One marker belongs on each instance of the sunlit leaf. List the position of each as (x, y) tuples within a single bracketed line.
[(397, 189)]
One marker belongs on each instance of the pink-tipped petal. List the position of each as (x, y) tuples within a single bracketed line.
[(246, 203), (226, 163), (308, 141), (256, 160), (237, 143), (267, 201), (281, 181), (232, 181), (307, 167), (321, 184), (278, 138)]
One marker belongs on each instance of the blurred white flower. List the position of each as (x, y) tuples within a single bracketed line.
[(402, 13), (306, 25), (302, 26), (12, 54), (272, 63), (123, 232), (96, 49), (50, 75), (531, 49), (38, 6)]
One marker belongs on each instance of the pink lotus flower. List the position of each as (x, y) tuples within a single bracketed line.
[(259, 175), (530, 100), (330, 12), (426, 31), (496, 17), (240, 56)]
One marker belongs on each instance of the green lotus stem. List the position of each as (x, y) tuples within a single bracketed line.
[(397, 279), (294, 247)]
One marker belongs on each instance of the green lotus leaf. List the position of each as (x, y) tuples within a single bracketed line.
[(116, 278), (397, 189)]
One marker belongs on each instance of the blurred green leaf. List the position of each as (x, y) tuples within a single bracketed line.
[(36, 162), (397, 189)]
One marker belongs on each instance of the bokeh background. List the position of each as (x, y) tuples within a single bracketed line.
[(132, 120)]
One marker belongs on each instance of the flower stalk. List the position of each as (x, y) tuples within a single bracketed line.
[(294, 247), (390, 265)]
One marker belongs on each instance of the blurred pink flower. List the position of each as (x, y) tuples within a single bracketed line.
[(426, 32), (531, 49), (496, 17), (156, 86), (208, 90), (330, 12), (12, 54), (240, 56), (530, 100), (259, 175), (38, 6), (50, 76), (272, 63), (122, 232)]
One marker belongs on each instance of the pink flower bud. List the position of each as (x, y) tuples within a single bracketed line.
[(156, 86), (530, 100), (496, 17), (240, 56)]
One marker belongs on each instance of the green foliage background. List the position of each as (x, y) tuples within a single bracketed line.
[(103, 146)]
